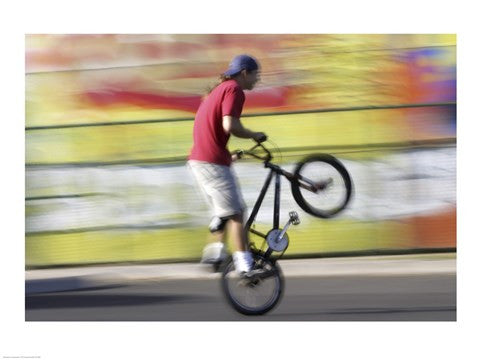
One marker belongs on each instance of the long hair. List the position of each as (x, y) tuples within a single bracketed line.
[(221, 79)]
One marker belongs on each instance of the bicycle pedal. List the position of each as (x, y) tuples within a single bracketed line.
[(294, 217)]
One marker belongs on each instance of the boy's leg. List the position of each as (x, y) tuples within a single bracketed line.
[(217, 236), (242, 256), (239, 236), (215, 250)]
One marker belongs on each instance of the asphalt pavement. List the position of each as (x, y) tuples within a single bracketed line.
[(86, 277)]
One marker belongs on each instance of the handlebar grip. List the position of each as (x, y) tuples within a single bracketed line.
[(262, 139)]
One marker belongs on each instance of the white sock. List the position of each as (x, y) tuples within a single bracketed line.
[(243, 261)]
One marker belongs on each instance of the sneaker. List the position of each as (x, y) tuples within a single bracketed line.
[(252, 278), (256, 273), (214, 253)]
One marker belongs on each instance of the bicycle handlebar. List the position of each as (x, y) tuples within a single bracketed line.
[(250, 152)]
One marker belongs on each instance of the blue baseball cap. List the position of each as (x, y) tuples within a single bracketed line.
[(241, 62)]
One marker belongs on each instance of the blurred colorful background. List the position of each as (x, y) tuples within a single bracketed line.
[(109, 125)]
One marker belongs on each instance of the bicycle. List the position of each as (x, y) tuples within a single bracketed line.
[(260, 293)]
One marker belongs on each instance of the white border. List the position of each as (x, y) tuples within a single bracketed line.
[(204, 340)]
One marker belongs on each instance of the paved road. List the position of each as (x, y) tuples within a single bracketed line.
[(416, 297)]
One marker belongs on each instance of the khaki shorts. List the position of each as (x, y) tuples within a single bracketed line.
[(220, 187)]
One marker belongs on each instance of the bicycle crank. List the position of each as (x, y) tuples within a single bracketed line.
[(277, 239)]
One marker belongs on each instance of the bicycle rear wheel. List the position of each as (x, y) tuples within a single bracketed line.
[(331, 180), (256, 296)]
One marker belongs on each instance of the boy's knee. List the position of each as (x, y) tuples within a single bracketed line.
[(217, 224), (237, 217)]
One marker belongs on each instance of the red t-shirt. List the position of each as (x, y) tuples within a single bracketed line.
[(209, 138)]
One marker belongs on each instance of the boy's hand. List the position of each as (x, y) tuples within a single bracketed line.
[(237, 155), (260, 137)]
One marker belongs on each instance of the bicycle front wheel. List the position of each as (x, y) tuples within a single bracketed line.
[(253, 296), (323, 186)]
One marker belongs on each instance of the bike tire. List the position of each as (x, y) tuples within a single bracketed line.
[(312, 202), (231, 285)]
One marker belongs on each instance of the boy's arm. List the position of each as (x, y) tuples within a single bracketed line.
[(233, 125)]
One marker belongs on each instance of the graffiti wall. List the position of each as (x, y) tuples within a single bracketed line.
[(314, 89)]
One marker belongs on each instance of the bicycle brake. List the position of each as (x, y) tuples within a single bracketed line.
[(322, 185)]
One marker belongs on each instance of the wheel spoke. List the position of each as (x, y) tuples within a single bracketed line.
[(331, 181), (252, 296)]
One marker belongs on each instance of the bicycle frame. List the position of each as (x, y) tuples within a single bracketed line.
[(278, 172), (274, 169)]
